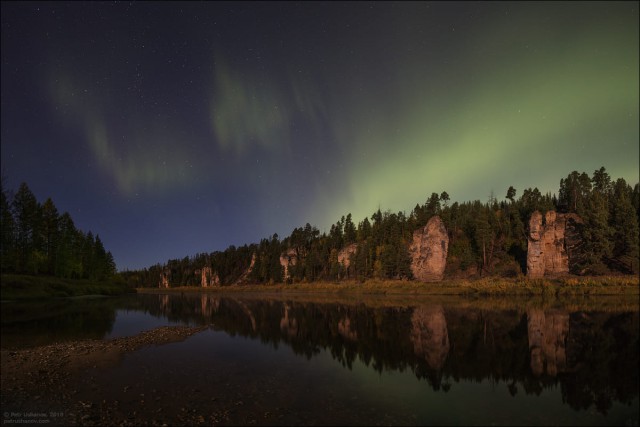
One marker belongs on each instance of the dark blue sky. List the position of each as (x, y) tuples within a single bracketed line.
[(172, 128)]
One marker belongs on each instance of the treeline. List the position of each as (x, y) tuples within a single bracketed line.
[(36, 239), (487, 238)]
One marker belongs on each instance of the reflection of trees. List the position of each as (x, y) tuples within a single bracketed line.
[(46, 322), (592, 356), (604, 349)]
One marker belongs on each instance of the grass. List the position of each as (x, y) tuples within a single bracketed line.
[(21, 287), (563, 286)]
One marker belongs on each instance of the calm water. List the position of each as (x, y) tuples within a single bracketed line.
[(449, 361)]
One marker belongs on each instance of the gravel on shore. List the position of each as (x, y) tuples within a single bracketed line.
[(43, 384)]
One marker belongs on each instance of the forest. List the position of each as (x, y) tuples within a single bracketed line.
[(485, 239), (37, 240)]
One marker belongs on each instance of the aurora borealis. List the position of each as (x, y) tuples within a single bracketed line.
[(171, 129)]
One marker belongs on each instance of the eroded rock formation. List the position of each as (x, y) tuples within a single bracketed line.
[(548, 249), (287, 260), (547, 341), (208, 277), (345, 254), (429, 335), (244, 278), (428, 251), (164, 279)]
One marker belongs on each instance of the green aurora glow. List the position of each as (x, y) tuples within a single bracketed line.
[(226, 123)]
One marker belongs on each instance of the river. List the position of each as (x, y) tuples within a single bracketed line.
[(328, 360)]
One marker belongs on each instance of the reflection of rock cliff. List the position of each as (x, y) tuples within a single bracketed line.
[(429, 335), (429, 251), (549, 248), (288, 325), (347, 330), (209, 305), (547, 341)]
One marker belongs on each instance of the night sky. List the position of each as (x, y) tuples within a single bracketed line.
[(171, 129)]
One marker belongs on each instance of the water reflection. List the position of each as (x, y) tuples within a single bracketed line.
[(592, 356), (547, 341), (429, 335)]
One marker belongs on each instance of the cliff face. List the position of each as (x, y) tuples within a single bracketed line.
[(208, 277), (244, 278), (428, 251), (548, 250), (345, 254), (164, 279), (288, 259)]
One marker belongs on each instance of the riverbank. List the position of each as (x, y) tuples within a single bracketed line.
[(562, 286), (21, 287), (55, 384)]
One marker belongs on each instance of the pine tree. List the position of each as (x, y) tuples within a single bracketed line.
[(625, 226), (349, 231), (50, 219), (68, 262), (596, 234), (8, 230), (25, 213)]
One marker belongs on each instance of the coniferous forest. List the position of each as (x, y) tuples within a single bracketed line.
[(38, 240), (485, 239)]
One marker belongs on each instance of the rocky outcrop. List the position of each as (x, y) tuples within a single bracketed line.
[(428, 251), (430, 336), (244, 278), (164, 279), (549, 246), (208, 277), (547, 341), (287, 260), (344, 256)]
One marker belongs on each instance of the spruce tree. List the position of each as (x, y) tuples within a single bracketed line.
[(625, 226)]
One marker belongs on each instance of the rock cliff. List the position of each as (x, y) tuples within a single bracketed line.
[(164, 279), (288, 259), (428, 251), (549, 252), (208, 277), (244, 278), (345, 254)]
